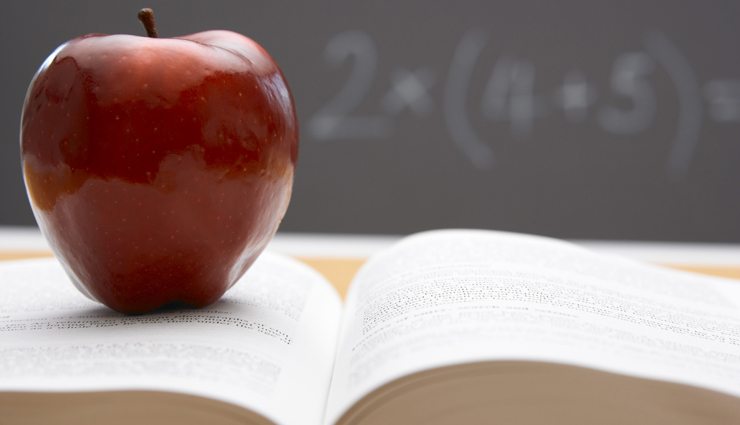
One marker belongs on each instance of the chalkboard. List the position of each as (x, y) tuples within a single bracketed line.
[(579, 119)]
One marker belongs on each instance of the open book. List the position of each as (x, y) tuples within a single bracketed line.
[(445, 327)]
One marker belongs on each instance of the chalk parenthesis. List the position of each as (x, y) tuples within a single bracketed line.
[(690, 111), (461, 70)]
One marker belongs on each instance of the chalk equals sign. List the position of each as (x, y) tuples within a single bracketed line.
[(723, 100)]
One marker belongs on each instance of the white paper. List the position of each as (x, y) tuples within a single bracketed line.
[(268, 344), (449, 297)]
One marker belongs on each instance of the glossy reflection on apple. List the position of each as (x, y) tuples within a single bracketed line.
[(158, 168)]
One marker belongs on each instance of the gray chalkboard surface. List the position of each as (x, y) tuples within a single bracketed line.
[(581, 119)]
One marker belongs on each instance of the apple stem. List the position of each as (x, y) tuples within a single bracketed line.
[(146, 16)]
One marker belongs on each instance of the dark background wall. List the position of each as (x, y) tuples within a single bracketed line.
[(580, 119)]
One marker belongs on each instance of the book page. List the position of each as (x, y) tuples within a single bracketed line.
[(449, 297), (268, 344)]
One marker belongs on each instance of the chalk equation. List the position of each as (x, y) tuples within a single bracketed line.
[(511, 97)]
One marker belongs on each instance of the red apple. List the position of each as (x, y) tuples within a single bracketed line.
[(158, 169)]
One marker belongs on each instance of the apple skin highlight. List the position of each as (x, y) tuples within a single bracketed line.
[(158, 169)]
